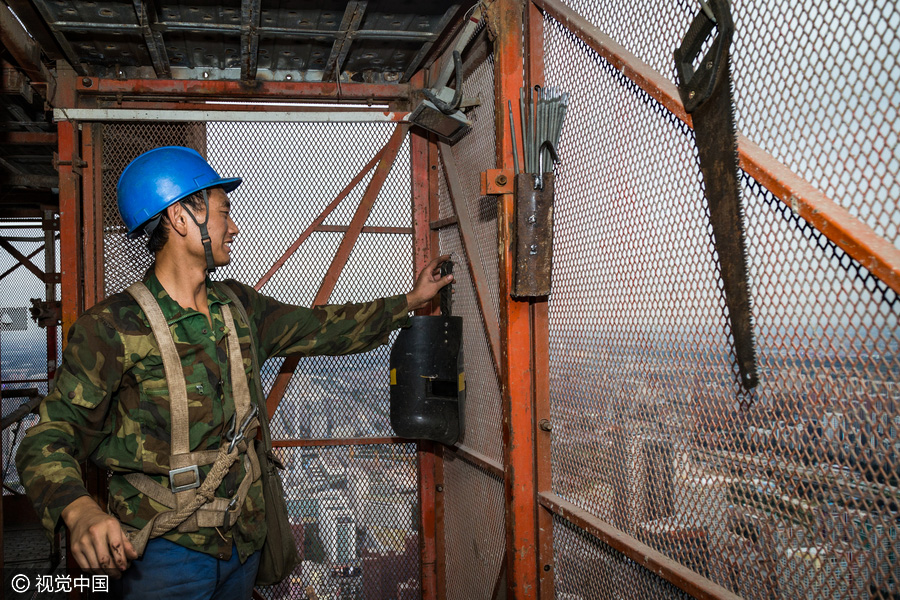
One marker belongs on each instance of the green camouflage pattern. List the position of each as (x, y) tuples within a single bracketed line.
[(110, 400)]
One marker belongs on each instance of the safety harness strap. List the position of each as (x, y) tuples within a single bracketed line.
[(192, 504)]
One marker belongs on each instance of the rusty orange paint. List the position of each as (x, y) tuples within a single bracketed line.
[(425, 245), (70, 226), (87, 87), (506, 19)]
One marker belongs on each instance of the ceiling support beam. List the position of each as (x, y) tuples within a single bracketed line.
[(250, 18), (24, 50), (34, 25), (349, 25), (426, 47), (59, 36), (284, 91), (153, 39)]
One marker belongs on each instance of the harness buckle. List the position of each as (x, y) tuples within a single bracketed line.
[(188, 486)]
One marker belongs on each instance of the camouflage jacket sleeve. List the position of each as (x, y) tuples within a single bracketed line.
[(73, 418), (286, 330)]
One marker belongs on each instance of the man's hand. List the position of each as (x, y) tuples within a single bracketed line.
[(97, 541), (428, 284)]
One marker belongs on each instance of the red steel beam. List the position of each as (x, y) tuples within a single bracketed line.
[(69, 225), (343, 254), (848, 232), (28, 138), (476, 458), (540, 318), (92, 212), (506, 20), (283, 91), (425, 243), (672, 571), (470, 248), (387, 230)]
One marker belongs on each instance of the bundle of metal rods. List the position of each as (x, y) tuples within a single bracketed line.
[(542, 111)]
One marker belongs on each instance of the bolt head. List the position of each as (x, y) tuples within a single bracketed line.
[(501, 180)]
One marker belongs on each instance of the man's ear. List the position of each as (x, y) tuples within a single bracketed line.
[(178, 219)]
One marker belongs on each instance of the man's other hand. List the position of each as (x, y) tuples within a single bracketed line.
[(428, 284), (97, 541)]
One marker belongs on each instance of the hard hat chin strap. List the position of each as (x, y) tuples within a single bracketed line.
[(204, 234)]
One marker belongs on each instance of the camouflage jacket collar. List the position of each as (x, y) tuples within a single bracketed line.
[(173, 311)]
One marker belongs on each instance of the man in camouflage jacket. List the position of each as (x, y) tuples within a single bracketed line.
[(110, 402)]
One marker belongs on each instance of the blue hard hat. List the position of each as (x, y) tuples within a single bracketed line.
[(161, 177)]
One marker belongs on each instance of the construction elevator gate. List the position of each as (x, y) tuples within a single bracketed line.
[(644, 447), (352, 493)]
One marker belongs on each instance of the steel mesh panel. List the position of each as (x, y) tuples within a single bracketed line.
[(354, 512), (482, 412), (476, 153), (473, 154), (474, 529), (126, 260), (23, 344), (815, 86), (788, 492), (291, 172), (588, 569)]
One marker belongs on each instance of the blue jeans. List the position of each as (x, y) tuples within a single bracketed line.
[(168, 571)]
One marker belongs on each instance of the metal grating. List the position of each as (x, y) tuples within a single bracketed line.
[(475, 153), (23, 344), (789, 492), (474, 529), (291, 172), (588, 569), (815, 85), (354, 511)]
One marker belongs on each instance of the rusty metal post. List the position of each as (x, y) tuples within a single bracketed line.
[(534, 73), (425, 244), (72, 295), (92, 211), (505, 18)]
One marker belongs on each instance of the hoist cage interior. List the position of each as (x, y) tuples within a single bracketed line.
[(609, 449)]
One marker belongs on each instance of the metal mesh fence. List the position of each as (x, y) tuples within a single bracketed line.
[(23, 343), (587, 569), (473, 154), (474, 529), (815, 85), (291, 172), (355, 509), (789, 492), (354, 512)]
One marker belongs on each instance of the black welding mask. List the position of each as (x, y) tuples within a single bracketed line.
[(428, 382)]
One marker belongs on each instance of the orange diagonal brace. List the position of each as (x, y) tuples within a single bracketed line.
[(849, 233), (388, 155), (319, 220)]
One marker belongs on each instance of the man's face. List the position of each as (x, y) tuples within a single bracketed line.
[(221, 228)]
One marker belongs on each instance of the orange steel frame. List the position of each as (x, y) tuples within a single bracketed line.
[(520, 345)]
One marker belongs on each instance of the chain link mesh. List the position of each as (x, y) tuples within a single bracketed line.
[(815, 85), (355, 509), (23, 343), (474, 529), (788, 492)]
